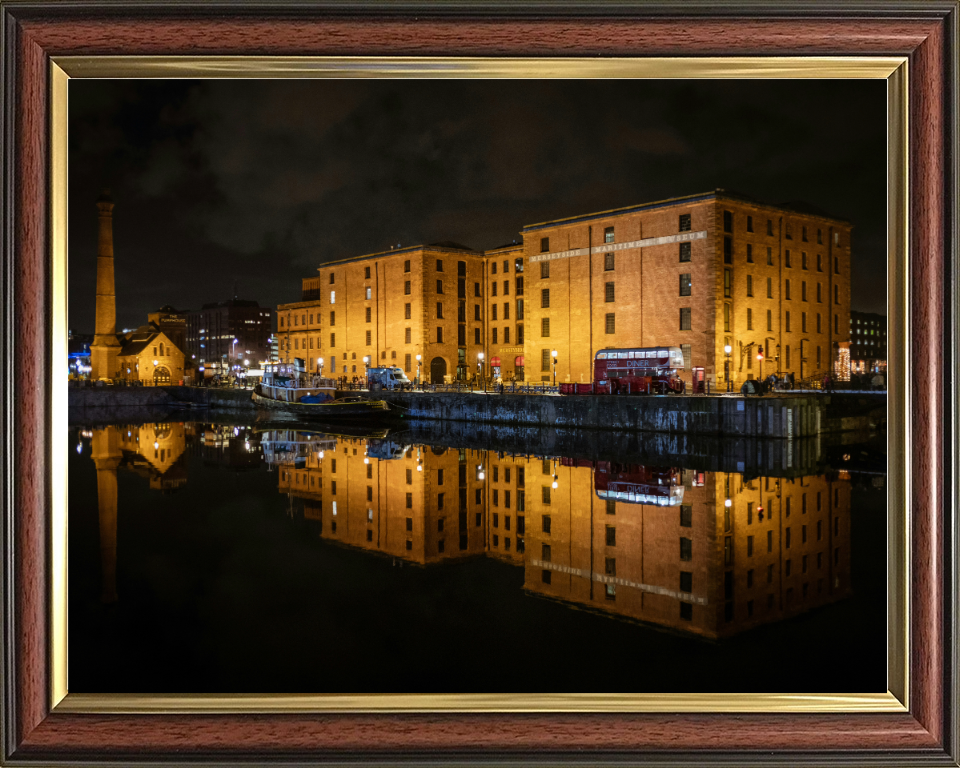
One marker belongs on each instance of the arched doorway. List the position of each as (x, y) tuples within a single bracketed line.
[(438, 369), (161, 377)]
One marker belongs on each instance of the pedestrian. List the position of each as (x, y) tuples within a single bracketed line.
[(877, 381), (501, 387)]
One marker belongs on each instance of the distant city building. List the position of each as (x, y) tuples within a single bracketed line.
[(234, 332), (868, 342), (173, 323), (78, 353), (743, 288)]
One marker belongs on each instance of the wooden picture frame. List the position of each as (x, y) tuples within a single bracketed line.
[(35, 34)]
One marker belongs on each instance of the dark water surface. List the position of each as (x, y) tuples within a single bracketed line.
[(232, 558)]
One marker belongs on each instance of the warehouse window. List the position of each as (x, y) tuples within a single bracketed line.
[(333, 318), (609, 261), (493, 288), (684, 222), (836, 294), (519, 334), (685, 284), (506, 310), (506, 335), (749, 319), (728, 250), (544, 244), (769, 287), (726, 317), (786, 259), (803, 322), (611, 323), (493, 267), (608, 235), (439, 265), (407, 335), (333, 297), (819, 293), (333, 339), (476, 312), (769, 256), (727, 281), (769, 320), (545, 298), (749, 285), (803, 259), (406, 363), (476, 335), (819, 262), (727, 221), (685, 318), (608, 292), (493, 311), (749, 253), (818, 323), (366, 273), (406, 288), (749, 223), (786, 289), (369, 338), (545, 327), (439, 310), (406, 265), (368, 314), (786, 320), (439, 286), (407, 311), (544, 269), (439, 335), (803, 290), (493, 336), (545, 360), (685, 251)]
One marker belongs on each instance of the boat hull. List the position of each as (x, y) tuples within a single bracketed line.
[(326, 411)]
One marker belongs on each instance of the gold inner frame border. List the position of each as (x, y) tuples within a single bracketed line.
[(892, 69)]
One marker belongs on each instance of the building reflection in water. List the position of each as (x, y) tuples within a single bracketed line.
[(706, 553), (152, 451)]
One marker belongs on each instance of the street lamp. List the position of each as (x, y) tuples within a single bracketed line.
[(802, 358), (418, 368), (727, 349), (320, 363), (554, 353)]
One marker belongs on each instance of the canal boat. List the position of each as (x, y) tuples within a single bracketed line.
[(289, 388)]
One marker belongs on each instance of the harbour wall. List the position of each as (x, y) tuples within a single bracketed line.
[(782, 416)]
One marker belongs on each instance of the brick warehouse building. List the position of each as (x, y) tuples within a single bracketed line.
[(391, 306), (701, 272)]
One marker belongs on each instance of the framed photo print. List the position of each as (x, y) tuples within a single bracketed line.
[(480, 383)]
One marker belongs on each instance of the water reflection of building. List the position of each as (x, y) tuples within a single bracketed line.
[(780, 548), (652, 544), (423, 505), (233, 447), (153, 451)]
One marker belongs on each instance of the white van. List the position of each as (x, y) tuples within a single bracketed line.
[(387, 378)]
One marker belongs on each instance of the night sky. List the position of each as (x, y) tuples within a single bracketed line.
[(257, 183)]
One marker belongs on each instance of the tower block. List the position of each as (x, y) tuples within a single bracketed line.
[(106, 346)]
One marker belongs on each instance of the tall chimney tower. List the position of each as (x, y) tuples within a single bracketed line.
[(106, 346)]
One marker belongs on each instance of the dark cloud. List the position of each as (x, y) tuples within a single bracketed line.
[(258, 182)]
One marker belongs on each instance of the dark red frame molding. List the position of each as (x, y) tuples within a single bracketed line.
[(925, 32)]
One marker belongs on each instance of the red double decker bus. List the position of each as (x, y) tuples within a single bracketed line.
[(638, 371)]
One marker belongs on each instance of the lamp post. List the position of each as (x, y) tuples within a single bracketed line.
[(320, 363), (727, 349), (802, 358), (366, 368), (480, 369), (554, 353), (419, 357)]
